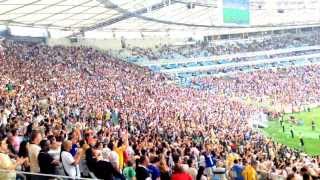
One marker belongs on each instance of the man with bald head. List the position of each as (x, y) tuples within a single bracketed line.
[(70, 164)]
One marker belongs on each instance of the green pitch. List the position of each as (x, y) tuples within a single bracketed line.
[(311, 138)]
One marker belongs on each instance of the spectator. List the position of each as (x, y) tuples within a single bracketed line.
[(7, 164), (153, 168), (236, 171), (46, 162), (96, 165), (23, 153), (142, 172), (113, 156), (192, 171), (249, 172), (121, 149), (129, 172), (33, 151), (164, 169), (178, 173), (69, 163), (200, 175)]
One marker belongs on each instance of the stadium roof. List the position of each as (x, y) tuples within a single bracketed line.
[(94, 14), (142, 15)]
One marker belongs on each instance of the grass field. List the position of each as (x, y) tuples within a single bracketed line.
[(311, 138)]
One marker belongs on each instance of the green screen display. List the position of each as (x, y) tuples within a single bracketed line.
[(236, 12)]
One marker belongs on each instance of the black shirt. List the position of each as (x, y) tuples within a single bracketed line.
[(45, 163), (142, 173), (101, 169), (165, 175)]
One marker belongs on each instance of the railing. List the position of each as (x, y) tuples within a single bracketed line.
[(21, 175)]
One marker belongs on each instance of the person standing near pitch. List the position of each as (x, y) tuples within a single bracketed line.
[(292, 133), (301, 140), (281, 121), (313, 124)]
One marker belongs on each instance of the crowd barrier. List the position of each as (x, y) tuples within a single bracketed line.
[(21, 175)]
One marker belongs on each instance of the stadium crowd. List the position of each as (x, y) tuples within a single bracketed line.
[(77, 112), (205, 49), (283, 89)]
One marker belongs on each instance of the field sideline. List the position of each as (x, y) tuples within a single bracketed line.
[(311, 138)]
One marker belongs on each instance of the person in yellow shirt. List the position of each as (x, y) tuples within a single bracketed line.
[(249, 172), (8, 165), (107, 116), (99, 115), (230, 159), (121, 148)]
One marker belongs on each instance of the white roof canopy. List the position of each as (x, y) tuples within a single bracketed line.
[(148, 15)]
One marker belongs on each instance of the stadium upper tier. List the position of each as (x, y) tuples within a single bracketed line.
[(237, 57), (140, 55)]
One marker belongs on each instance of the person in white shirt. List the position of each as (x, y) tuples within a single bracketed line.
[(192, 171), (4, 116), (113, 156), (34, 150), (70, 164)]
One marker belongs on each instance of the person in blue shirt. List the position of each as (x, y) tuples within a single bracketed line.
[(210, 159), (74, 148), (236, 171), (153, 167)]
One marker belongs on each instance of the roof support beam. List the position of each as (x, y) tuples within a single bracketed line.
[(91, 17), (20, 7), (60, 12), (75, 14), (124, 16), (33, 12)]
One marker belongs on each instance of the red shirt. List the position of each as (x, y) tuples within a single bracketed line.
[(181, 176)]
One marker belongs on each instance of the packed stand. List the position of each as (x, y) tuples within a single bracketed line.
[(77, 112), (283, 88), (201, 49)]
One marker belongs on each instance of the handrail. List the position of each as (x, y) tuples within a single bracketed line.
[(23, 173)]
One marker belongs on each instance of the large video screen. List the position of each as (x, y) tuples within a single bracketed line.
[(236, 12)]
